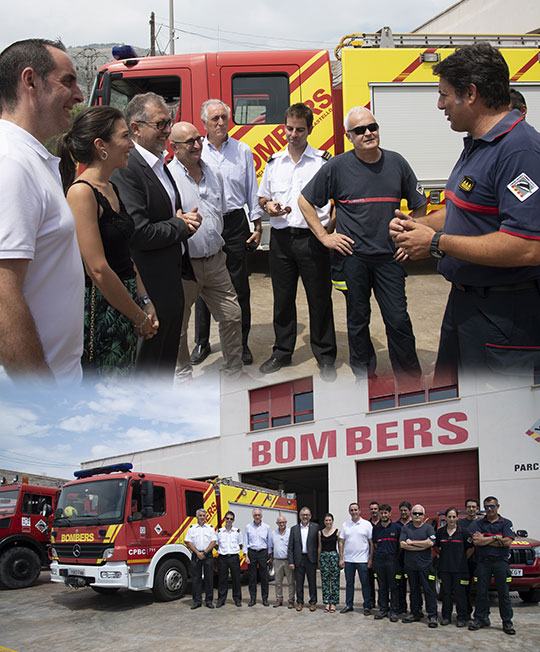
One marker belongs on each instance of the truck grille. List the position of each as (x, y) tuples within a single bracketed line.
[(87, 550), (522, 556)]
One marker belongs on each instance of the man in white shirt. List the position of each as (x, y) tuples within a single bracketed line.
[(229, 541), (280, 556), (294, 250), (161, 228), (41, 274), (202, 192), (356, 555), (257, 545), (234, 161), (201, 540)]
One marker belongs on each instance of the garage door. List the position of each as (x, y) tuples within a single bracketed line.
[(435, 481)]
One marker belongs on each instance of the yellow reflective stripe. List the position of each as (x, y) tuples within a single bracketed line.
[(431, 577), (464, 582), (398, 577), (406, 576), (113, 538), (374, 574), (509, 579), (340, 285), (475, 579)]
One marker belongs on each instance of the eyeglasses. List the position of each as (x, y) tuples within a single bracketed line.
[(490, 506), (161, 125), (360, 131), (418, 513), (229, 518), (190, 142)]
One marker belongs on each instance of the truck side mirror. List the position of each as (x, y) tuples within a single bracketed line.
[(46, 510), (522, 533)]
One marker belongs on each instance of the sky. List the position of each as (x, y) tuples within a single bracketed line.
[(211, 26), (51, 432)]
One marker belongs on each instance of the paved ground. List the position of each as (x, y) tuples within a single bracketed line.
[(50, 618), (427, 292)]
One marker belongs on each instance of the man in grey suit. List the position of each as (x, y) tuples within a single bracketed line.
[(303, 553), (161, 228)]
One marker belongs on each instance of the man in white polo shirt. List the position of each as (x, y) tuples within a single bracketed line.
[(356, 555), (41, 274)]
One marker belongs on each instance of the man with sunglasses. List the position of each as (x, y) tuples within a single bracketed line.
[(201, 189), (417, 539), (229, 541), (492, 536), (367, 185), (161, 228)]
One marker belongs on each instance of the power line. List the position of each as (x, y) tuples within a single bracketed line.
[(28, 459)]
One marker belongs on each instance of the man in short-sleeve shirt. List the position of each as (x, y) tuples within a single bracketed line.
[(41, 274), (367, 184), (487, 238), (201, 540)]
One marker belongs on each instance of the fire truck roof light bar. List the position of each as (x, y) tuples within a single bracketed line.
[(123, 467)]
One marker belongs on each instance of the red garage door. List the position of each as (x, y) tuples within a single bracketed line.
[(435, 481)]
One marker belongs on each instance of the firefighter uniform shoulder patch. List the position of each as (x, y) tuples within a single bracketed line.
[(522, 187)]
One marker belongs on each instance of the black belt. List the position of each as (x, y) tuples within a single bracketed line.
[(235, 212), (230, 554), (295, 231), (526, 285)]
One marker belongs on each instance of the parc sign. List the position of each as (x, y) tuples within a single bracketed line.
[(418, 434)]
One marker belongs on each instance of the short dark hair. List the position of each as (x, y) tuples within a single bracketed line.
[(405, 503), (300, 110), (490, 499), (30, 53), (374, 502), (351, 504), (328, 514), (479, 64), (517, 101), (229, 513), (472, 500), (77, 144), (385, 507), (451, 509)]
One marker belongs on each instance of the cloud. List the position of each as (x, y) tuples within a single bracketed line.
[(86, 423)]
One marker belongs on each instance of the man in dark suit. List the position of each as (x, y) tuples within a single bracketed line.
[(303, 553), (151, 198)]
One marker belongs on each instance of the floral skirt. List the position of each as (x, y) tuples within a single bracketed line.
[(110, 342)]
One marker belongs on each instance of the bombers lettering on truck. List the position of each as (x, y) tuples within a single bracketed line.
[(82, 536), (417, 433)]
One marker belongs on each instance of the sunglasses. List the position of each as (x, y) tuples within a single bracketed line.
[(360, 131), (418, 513), (490, 506)]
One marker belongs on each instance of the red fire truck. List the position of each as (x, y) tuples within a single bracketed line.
[(24, 533), (116, 528)]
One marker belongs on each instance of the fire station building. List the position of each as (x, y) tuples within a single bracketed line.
[(333, 443)]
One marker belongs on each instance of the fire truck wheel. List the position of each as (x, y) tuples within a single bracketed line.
[(531, 596), (105, 590), (19, 567), (170, 580)]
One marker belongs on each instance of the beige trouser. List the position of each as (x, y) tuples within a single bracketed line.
[(214, 285), (282, 569)]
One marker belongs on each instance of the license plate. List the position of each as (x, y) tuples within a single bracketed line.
[(76, 571), (516, 572)]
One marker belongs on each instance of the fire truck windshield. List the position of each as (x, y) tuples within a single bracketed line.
[(90, 503), (8, 502)]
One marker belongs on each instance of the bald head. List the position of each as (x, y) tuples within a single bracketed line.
[(186, 143)]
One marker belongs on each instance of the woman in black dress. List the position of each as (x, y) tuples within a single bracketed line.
[(454, 546), (117, 308), (329, 564)]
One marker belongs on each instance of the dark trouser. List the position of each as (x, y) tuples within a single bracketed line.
[(296, 254), (385, 569), (371, 576), (500, 570), (235, 233), (455, 583), (258, 559), (309, 568), (350, 573), (423, 580), (387, 279), (226, 563), (402, 584), (471, 562), (489, 329), (197, 566)]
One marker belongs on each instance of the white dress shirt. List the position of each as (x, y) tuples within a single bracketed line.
[(200, 535), (235, 163), (229, 541), (208, 196), (283, 181)]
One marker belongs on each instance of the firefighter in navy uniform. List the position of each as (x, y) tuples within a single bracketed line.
[(492, 536), (294, 250), (385, 563), (201, 540), (229, 541)]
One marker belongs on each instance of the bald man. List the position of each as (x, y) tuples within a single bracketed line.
[(201, 189)]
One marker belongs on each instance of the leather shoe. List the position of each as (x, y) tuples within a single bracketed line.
[(508, 628), (290, 605), (327, 372), (460, 623), (411, 619), (219, 604), (345, 610), (196, 605), (476, 625), (266, 603), (238, 603), (393, 618), (210, 605), (367, 612), (251, 603), (247, 356), (278, 603), (433, 623), (381, 615), (312, 607), (299, 607), (200, 353), (272, 365)]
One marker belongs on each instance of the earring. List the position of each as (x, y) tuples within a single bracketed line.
[(104, 155)]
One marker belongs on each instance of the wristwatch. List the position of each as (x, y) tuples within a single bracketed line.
[(143, 301), (434, 246)]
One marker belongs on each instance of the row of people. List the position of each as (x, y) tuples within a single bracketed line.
[(396, 551)]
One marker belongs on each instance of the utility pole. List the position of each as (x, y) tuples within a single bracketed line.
[(152, 34), (171, 26)]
